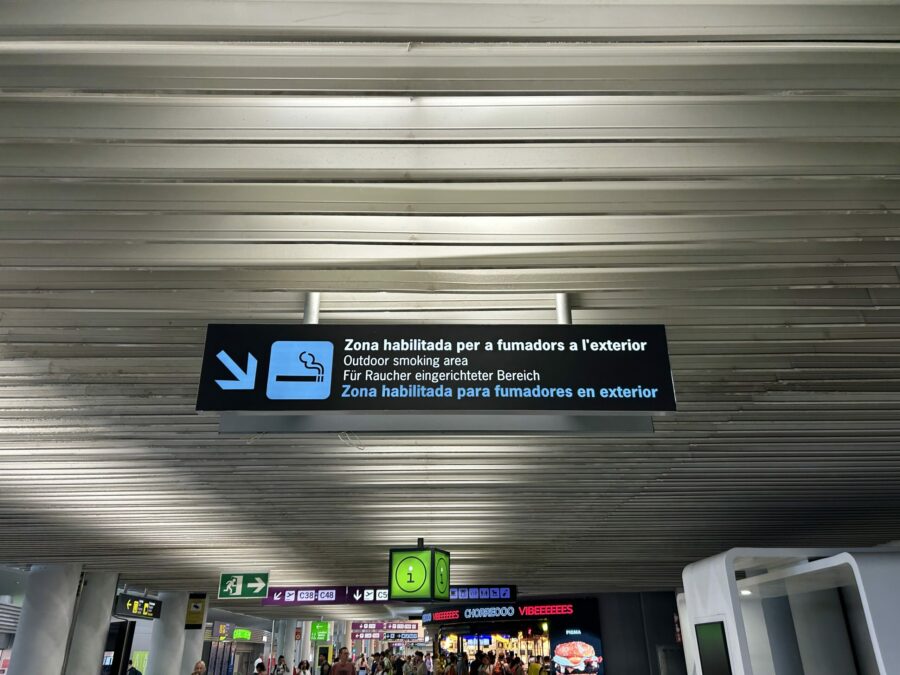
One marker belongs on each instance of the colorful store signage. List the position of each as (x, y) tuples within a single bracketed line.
[(510, 611), (133, 607), (438, 368), (419, 574), (242, 634)]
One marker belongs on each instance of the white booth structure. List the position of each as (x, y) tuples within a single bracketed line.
[(793, 612)]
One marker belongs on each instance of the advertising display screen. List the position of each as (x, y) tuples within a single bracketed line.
[(575, 645), (433, 368), (713, 649)]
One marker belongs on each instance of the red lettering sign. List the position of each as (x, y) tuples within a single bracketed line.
[(446, 616), (546, 610)]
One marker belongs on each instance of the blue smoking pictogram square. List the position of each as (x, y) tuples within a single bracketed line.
[(300, 371)]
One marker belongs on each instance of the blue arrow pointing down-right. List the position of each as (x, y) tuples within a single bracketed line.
[(245, 380)]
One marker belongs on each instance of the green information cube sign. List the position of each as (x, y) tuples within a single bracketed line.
[(319, 632), (419, 574), (242, 634)]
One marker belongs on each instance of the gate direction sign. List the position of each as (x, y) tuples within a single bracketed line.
[(391, 626), (134, 607), (233, 585), (320, 631), (481, 593), (366, 594), (325, 595), (306, 595), (382, 635), (436, 368)]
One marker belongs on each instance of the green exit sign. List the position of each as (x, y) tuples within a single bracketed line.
[(320, 631), (419, 574), (242, 634), (243, 585)]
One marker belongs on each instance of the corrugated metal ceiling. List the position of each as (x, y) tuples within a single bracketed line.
[(727, 168)]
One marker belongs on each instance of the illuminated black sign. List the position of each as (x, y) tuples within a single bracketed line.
[(483, 593), (310, 368), (132, 607)]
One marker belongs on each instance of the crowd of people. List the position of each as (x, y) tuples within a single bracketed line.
[(388, 663)]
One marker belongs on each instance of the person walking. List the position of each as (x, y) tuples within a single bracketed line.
[(343, 666), (324, 666), (281, 668), (131, 669), (199, 668)]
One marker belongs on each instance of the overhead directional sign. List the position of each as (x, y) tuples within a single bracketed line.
[(243, 378), (133, 607), (306, 595), (391, 626), (243, 585), (364, 594), (320, 368), (320, 631), (325, 595), (482, 593)]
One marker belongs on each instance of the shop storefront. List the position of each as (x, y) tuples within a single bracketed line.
[(229, 649), (565, 630)]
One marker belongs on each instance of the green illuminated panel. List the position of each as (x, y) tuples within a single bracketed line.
[(242, 634), (319, 631), (441, 575), (411, 574)]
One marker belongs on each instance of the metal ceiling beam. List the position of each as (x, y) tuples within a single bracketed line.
[(429, 20)]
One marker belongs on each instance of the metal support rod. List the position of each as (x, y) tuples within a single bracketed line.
[(311, 307), (563, 310)]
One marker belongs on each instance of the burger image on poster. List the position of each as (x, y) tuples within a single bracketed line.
[(576, 656)]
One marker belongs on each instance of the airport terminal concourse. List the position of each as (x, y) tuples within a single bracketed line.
[(449, 337)]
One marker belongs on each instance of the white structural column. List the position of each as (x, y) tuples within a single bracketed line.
[(98, 593), (43, 632), (193, 644), (305, 651), (311, 301), (563, 309), (167, 642), (286, 628)]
